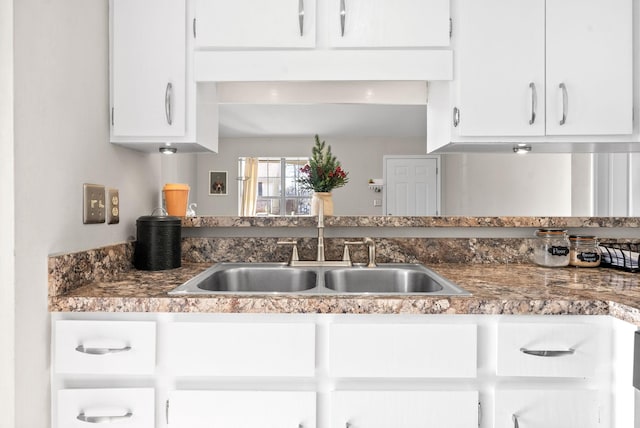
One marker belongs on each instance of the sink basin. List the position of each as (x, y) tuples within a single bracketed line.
[(249, 278), (390, 278), (267, 278)]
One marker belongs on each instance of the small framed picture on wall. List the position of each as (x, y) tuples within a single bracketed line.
[(217, 183)]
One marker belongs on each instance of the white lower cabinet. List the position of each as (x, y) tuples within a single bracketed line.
[(242, 409), (549, 408), (127, 407), (340, 371), (404, 409)]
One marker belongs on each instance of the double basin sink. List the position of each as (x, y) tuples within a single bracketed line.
[(278, 278)]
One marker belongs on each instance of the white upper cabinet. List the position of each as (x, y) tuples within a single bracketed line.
[(536, 68), (589, 67), (388, 23), (500, 63), (255, 23), (148, 84)]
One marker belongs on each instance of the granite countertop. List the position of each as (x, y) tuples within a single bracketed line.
[(495, 288)]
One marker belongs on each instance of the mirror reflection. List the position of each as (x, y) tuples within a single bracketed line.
[(470, 184)]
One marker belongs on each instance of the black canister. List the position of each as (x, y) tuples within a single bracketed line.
[(158, 243)]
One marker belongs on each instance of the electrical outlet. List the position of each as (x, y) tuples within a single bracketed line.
[(113, 202), (377, 202), (94, 208)]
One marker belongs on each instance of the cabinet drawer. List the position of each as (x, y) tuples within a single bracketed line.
[(550, 408), (554, 350), (105, 347), (241, 409), (129, 407), (242, 349), (404, 409), (403, 350)]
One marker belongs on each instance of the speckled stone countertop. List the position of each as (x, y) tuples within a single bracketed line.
[(495, 288)]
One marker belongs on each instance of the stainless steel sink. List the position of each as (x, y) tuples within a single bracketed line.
[(249, 278), (268, 278), (390, 278)]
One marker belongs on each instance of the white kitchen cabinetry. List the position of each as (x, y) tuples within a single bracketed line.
[(555, 67), (242, 409), (148, 82), (548, 408), (388, 23), (154, 99), (104, 347), (255, 24), (551, 350), (242, 349), (596, 97), (404, 409), (402, 350), (130, 407), (339, 370)]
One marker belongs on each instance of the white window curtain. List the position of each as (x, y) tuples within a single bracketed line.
[(250, 187)]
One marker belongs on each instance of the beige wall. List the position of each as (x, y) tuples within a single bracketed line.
[(62, 141)]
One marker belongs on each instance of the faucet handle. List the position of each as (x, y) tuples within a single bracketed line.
[(371, 247), (294, 254)]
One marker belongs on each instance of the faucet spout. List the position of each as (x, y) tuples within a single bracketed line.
[(320, 253)]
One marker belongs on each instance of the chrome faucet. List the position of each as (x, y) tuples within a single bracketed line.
[(320, 257)]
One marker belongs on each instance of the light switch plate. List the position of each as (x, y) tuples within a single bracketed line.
[(113, 204), (94, 208)]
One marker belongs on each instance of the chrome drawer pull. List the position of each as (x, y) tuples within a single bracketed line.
[(103, 419), (547, 353), (534, 103), (301, 16), (168, 95), (343, 16), (565, 103), (101, 351)]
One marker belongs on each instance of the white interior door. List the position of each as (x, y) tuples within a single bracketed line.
[(412, 186)]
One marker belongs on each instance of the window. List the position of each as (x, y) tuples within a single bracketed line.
[(277, 190)]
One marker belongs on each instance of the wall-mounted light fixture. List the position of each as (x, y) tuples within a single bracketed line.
[(521, 149), (168, 150)]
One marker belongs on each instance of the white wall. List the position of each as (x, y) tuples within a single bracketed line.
[(361, 157), (7, 310), (61, 142), (506, 184)]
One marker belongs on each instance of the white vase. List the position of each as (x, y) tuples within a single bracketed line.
[(326, 198)]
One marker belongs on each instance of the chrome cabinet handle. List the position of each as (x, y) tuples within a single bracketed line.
[(301, 16), (456, 117), (101, 351), (168, 95), (547, 353), (343, 16), (534, 103), (565, 103), (514, 418), (194, 28), (102, 419)]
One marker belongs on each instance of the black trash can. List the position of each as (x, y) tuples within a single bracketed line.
[(158, 243)]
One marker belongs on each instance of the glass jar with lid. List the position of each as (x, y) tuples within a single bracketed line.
[(584, 251), (551, 248)]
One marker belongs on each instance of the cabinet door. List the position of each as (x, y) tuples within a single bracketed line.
[(404, 409), (589, 53), (256, 23), (500, 62), (242, 409), (242, 349), (388, 23), (148, 48), (549, 408), (126, 407), (403, 350)]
